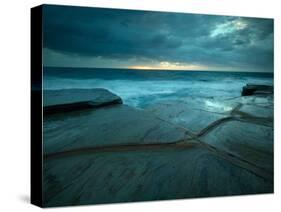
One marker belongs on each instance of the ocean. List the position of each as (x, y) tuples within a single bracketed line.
[(140, 88)]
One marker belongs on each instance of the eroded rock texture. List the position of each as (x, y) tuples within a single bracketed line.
[(252, 89), (193, 148), (56, 101)]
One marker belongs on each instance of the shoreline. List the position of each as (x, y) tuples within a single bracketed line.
[(161, 131)]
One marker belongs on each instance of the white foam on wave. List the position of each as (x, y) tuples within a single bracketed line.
[(143, 92)]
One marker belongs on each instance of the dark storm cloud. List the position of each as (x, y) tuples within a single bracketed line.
[(219, 41)]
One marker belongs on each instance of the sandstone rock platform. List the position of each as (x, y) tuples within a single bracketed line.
[(196, 148), (55, 101)]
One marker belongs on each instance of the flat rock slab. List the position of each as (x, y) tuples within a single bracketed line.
[(263, 101), (144, 175), (252, 89), (73, 99), (182, 114), (114, 125), (257, 111), (250, 142)]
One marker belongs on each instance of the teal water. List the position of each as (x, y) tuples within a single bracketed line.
[(143, 87)]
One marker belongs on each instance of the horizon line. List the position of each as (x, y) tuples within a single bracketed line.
[(158, 69)]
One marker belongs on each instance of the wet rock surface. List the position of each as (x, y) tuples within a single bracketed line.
[(56, 101), (182, 114), (251, 142), (115, 125), (253, 89), (193, 148), (145, 175)]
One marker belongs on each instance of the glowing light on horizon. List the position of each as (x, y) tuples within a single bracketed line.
[(165, 65), (141, 67)]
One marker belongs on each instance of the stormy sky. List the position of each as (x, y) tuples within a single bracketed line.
[(111, 38)]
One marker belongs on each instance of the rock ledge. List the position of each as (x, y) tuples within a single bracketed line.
[(252, 89), (66, 100)]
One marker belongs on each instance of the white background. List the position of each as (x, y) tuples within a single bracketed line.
[(15, 106)]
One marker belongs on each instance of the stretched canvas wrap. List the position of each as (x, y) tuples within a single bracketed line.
[(131, 105)]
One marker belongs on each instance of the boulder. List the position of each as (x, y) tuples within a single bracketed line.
[(253, 89), (65, 100)]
